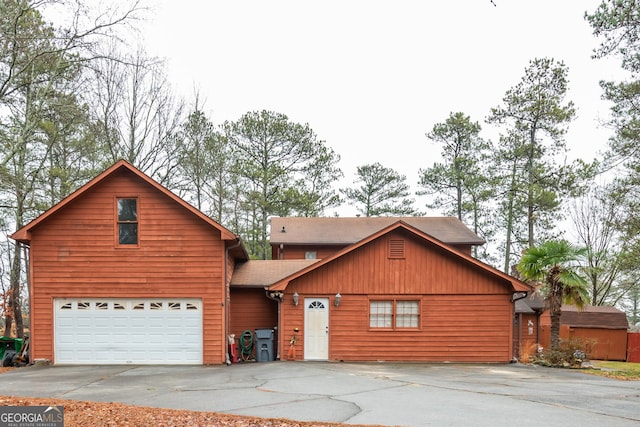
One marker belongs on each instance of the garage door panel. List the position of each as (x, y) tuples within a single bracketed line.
[(131, 331)]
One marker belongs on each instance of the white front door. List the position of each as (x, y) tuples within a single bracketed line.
[(316, 328)]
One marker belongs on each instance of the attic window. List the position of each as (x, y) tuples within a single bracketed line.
[(396, 248), (127, 221)]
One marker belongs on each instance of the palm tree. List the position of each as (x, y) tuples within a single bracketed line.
[(554, 264)]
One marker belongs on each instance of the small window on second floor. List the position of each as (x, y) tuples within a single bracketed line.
[(127, 221), (310, 255)]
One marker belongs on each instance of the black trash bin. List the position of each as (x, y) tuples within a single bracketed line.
[(264, 345)]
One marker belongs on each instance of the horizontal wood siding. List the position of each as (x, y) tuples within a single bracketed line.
[(466, 314), (74, 254), (324, 251), (455, 328), (299, 251)]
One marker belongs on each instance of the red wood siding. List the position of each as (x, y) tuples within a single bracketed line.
[(633, 347), (426, 269), (526, 338), (465, 313), (602, 344), (250, 310), (299, 251), (449, 330), (74, 254)]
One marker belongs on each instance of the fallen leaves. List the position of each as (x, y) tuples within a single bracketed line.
[(84, 413)]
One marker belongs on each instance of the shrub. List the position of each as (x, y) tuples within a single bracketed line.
[(570, 353)]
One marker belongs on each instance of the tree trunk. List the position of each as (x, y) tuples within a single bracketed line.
[(510, 215), (555, 308), (14, 311)]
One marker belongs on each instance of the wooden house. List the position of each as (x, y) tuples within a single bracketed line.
[(125, 272), (398, 294)]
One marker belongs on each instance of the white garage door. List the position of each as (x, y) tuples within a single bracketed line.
[(128, 331)]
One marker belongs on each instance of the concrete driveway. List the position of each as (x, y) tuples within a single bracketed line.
[(358, 393)]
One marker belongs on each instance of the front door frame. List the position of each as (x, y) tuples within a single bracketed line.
[(316, 328)]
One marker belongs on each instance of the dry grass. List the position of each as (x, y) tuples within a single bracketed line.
[(618, 370)]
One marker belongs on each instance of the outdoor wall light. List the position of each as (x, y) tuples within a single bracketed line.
[(337, 300), (296, 299)]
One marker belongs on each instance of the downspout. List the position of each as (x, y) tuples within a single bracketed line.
[(227, 298), (277, 296)]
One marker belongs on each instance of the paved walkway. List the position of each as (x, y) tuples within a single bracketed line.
[(385, 393)]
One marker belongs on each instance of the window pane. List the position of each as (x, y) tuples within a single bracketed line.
[(128, 234), (407, 314), (127, 210), (380, 314)]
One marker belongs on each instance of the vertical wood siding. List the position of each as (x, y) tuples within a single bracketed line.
[(74, 254), (527, 343), (425, 269), (466, 314), (250, 310), (324, 251)]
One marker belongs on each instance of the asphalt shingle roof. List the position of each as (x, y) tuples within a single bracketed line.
[(263, 273), (348, 230), (594, 317)]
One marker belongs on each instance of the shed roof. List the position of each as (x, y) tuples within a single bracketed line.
[(263, 273), (516, 285), (348, 230), (603, 317)]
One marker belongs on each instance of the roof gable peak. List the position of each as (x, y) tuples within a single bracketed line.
[(24, 234)]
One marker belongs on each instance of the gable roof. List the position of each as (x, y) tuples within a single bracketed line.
[(264, 273), (603, 317), (348, 230), (24, 234), (516, 285)]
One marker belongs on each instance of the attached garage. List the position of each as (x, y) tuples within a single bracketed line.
[(123, 271), (128, 331)]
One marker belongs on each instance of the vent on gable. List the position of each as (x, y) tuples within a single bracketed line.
[(396, 248)]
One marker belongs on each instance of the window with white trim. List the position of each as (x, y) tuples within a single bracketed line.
[(380, 314), (407, 314), (393, 314)]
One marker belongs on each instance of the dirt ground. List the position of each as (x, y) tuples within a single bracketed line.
[(83, 413)]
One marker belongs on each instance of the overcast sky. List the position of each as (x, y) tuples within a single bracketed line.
[(372, 77)]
